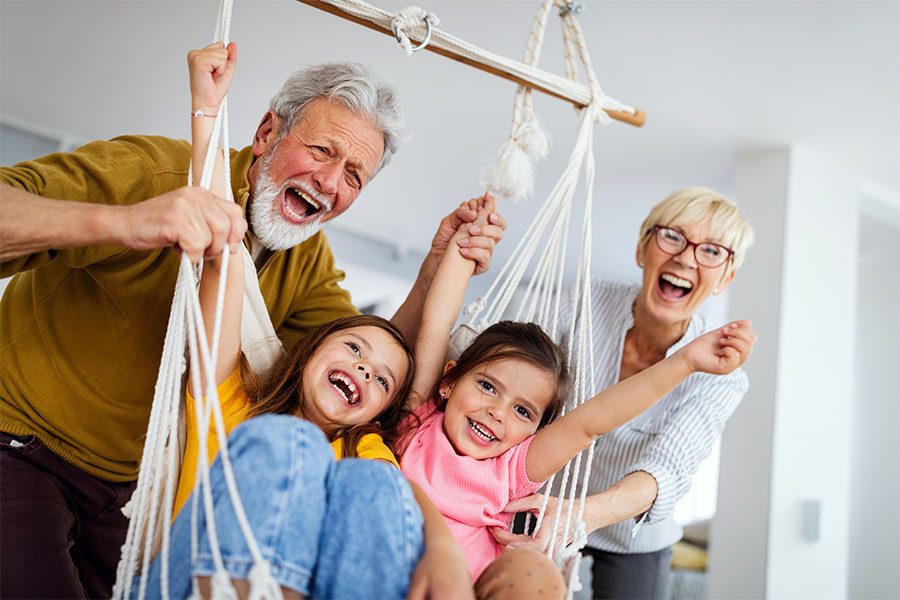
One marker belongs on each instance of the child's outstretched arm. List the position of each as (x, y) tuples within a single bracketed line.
[(211, 70), (441, 309), (718, 352)]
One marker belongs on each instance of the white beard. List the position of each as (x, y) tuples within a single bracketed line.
[(268, 223)]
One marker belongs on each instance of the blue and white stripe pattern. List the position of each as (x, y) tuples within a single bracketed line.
[(669, 441)]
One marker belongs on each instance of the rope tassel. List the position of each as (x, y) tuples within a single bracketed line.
[(512, 174), (263, 585)]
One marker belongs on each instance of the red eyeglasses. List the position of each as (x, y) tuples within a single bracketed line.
[(707, 254)]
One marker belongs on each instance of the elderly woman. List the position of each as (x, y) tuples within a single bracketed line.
[(690, 246)]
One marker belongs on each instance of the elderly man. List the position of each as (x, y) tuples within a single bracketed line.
[(90, 237)]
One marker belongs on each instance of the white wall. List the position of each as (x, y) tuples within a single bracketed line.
[(875, 481), (796, 289)]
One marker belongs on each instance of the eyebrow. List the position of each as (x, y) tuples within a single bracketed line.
[(363, 341)]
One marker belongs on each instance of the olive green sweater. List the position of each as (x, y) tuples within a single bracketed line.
[(81, 330)]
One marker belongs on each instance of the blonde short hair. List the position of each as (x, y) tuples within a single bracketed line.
[(697, 206)]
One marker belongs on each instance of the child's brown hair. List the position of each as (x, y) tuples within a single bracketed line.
[(281, 393), (523, 341)]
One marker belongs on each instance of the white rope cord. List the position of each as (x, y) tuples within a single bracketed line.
[(512, 173), (542, 296), (161, 448)]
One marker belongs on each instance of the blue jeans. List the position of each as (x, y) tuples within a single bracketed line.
[(330, 529)]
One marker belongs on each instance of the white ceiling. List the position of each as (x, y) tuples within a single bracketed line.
[(715, 77)]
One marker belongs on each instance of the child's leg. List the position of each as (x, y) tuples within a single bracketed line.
[(372, 540), (520, 573), (281, 465)]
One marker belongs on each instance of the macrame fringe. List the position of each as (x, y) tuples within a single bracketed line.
[(221, 587), (263, 585), (512, 174)]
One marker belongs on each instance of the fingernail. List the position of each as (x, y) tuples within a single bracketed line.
[(475, 229), (463, 241), (494, 218)]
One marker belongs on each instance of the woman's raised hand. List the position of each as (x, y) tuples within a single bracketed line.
[(211, 70), (722, 350)]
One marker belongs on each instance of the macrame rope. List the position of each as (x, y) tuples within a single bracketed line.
[(543, 294), (151, 506)]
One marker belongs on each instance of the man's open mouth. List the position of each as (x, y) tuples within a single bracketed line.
[(345, 386), (673, 287), (299, 206)]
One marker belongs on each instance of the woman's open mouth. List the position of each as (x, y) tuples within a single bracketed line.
[(673, 287)]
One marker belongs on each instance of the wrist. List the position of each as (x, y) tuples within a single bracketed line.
[(427, 270), (685, 366), (199, 112), (109, 222)]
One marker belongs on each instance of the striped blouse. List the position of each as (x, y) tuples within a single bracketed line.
[(668, 441)]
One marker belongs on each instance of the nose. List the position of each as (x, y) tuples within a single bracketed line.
[(687, 257), (327, 177), (364, 370), (496, 412)]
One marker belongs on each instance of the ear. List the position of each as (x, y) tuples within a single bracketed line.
[(639, 255), (444, 388), (726, 281), (266, 133)]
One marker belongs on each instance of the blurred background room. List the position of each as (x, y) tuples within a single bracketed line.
[(789, 107)]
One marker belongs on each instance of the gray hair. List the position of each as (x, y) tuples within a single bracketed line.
[(350, 84)]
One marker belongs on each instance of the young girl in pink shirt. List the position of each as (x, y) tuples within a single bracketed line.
[(487, 431)]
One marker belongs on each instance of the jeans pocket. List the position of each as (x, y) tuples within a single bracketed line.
[(20, 444)]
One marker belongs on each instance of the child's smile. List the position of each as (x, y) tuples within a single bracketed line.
[(496, 406), (352, 377)]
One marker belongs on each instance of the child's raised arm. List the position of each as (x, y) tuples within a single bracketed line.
[(718, 352), (441, 309), (211, 70)]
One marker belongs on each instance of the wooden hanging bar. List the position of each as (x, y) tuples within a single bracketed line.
[(536, 79)]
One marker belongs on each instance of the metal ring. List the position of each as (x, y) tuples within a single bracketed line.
[(570, 8), (425, 40)]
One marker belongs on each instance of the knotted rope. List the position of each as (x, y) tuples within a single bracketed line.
[(542, 295), (412, 17), (151, 505)]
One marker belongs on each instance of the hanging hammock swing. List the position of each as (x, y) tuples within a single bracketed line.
[(511, 176)]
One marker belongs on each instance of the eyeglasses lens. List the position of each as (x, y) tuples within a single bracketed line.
[(670, 241)]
